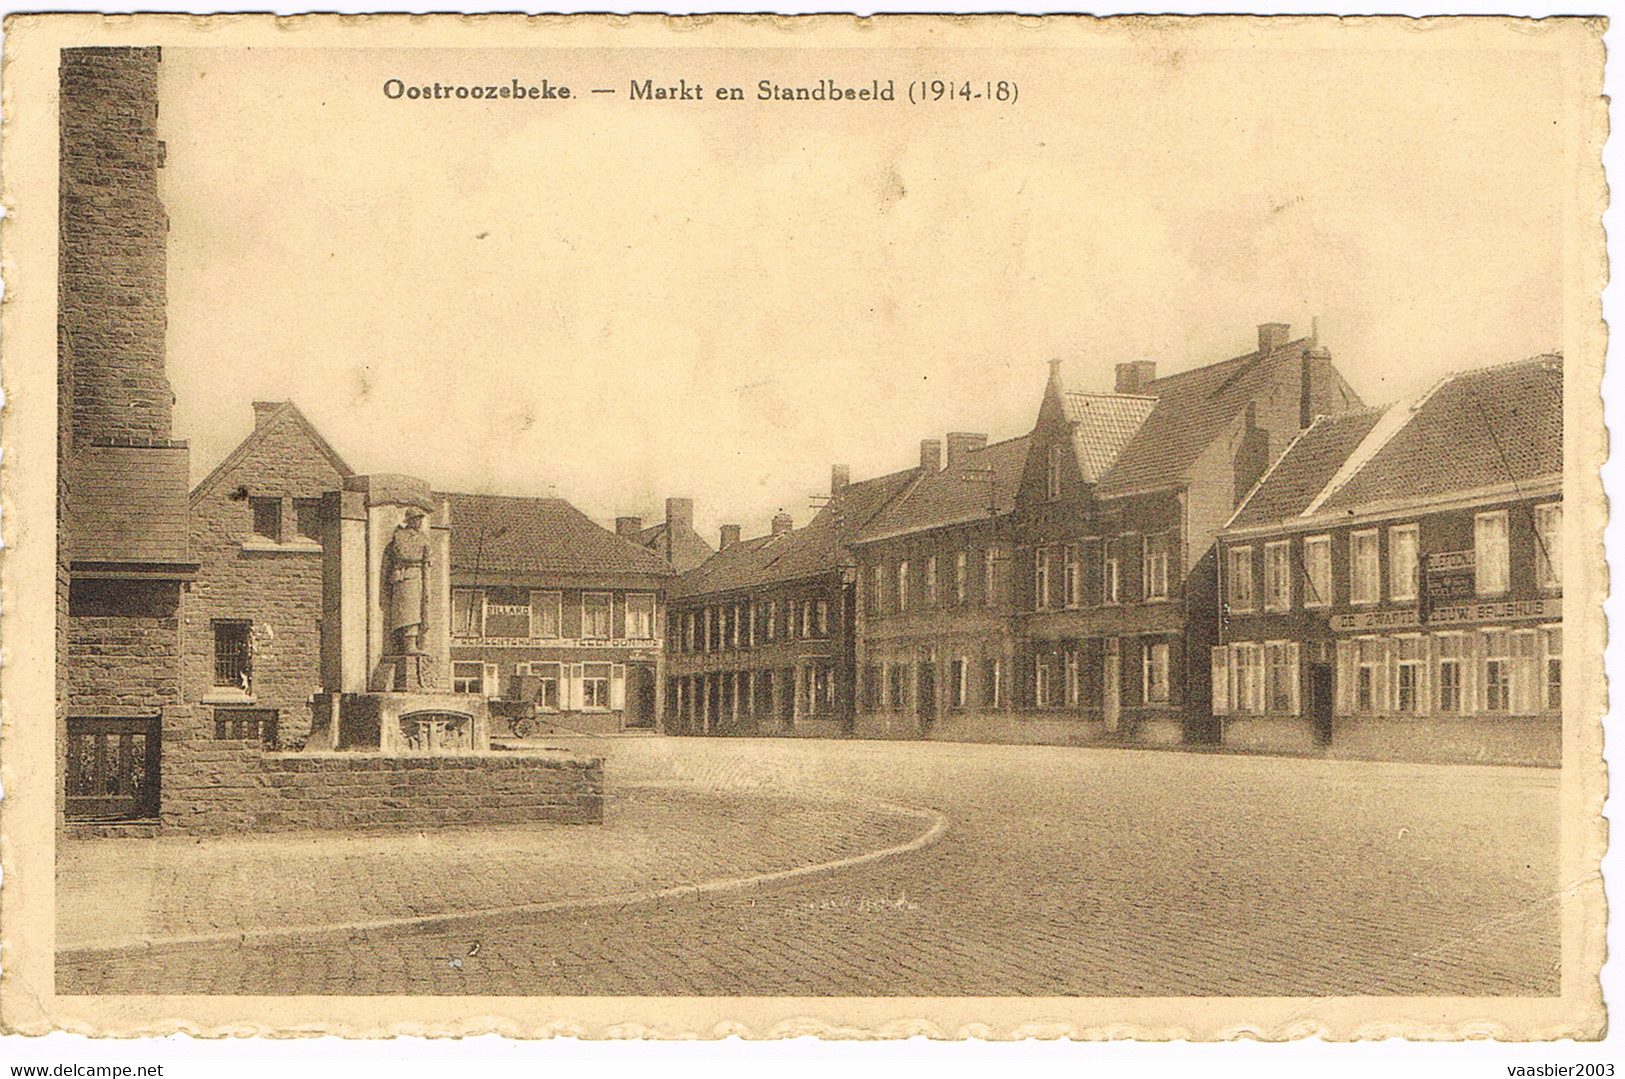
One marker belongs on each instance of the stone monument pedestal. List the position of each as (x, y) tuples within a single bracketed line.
[(386, 565)]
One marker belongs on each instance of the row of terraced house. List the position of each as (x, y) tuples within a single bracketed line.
[(1243, 553)]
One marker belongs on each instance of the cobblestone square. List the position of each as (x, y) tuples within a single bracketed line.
[(1060, 872)]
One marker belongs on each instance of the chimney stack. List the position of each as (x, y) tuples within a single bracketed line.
[(782, 523), (679, 514), (1308, 375), (931, 455), (1272, 335), (839, 477), (961, 444), (628, 527), (263, 410), (730, 536), (1135, 376)]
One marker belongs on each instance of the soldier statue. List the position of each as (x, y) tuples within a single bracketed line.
[(408, 567)]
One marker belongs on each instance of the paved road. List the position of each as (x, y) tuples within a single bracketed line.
[(1063, 872)]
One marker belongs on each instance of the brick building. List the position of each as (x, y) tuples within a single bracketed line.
[(252, 623), (1394, 584), (122, 548), (934, 642), (555, 619), (762, 637), (1115, 520)]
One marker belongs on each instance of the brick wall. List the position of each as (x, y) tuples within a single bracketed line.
[(214, 786), (278, 590), (111, 249), (122, 647)]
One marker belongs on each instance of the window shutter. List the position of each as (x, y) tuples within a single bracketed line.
[(1294, 651), (1221, 680), (617, 688), (1345, 677)]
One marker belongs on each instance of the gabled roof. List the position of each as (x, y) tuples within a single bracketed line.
[(1193, 408), (1487, 428), (264, 423), (502, 534), (984, 486), (1304, 469), (1103, 424), (801, 552), (688, 550), (1476, 429)]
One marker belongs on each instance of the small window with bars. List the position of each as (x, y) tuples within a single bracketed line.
[(233, 667)]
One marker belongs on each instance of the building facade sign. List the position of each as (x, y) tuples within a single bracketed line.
[(1502, 611), (1344, 623), (1450, 576), (555, 642)]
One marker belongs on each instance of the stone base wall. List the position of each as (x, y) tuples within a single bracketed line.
[(1533, 740), (216, 786)]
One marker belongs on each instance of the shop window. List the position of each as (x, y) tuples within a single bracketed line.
[(1155, 672), (595, 687), (1497, 671), (1490, 553), (1368, 673), (1281, 667), (1410, 665), (1450, 669), (467, 677), (547, 684), (1247, 678)]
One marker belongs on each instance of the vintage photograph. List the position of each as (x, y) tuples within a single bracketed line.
[(1003, 521)]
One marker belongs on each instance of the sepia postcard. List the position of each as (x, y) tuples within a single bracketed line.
[(980, 526)]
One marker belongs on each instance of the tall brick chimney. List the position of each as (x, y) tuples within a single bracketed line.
[(1273, 335), (730, 536), (1313, 359), (930, 455), (679, 514), (961, 444), (1136, 375), (839, 477), (782, 523), (111, 245), (628, 527), (263, 411)]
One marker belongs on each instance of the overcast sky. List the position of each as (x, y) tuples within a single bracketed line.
[(616, 301)]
